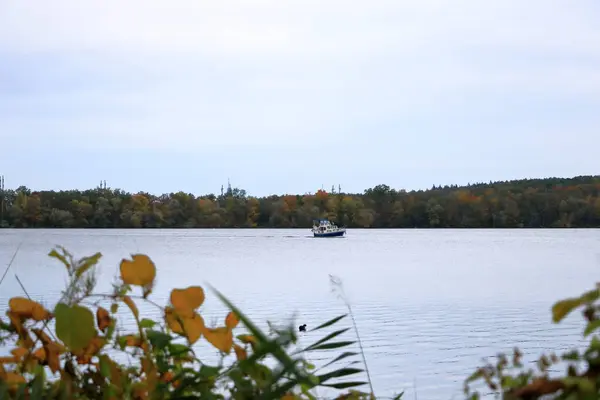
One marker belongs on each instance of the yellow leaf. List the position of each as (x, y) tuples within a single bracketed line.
[(188, 326), (52, 352), (172, 320), (84, 356), (19, 352), (40, 354), (13, 379), (167, 377), (231, 321), (25, 308), (127, 300), (102, 318), (151, 373), (139, 271), (221, 338), (247, 338), (41, 335), (185, 301), (132, 340), (240, 352), (194, 327)]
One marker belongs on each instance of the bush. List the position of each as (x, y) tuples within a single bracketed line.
[(582, 377), (77, 359)]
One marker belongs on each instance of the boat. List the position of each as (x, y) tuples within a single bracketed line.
[(324, 228)]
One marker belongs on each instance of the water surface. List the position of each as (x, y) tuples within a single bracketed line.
[(430, 304)]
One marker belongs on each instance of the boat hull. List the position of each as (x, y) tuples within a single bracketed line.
[(330, 234)]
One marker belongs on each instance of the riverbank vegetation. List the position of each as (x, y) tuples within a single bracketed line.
[(533, 203), (72, 352)]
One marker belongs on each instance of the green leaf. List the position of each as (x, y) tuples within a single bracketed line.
[(60, 257), (147, 323), (104, 366), (20, 395), (37, 386), (110, 331), (340, 357), (207, 371), (399, 396), (590, 296), (562, 308), (475, 375), (344, 385), (333, 345), (114, 308), (326, 338), (338, 373), (74, 325), (583, 384), (158, 339), (177, 349), (591, 327), (122, 342), (87, 263), (328, 323), (594, 344)]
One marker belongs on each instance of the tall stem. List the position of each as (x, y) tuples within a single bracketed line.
[(362, 351)]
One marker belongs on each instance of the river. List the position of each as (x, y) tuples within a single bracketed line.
[(429, 304)]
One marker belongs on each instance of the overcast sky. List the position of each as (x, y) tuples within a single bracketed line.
[(283, 96)]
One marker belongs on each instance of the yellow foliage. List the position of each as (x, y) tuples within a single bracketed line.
[(19, 353), (232, 320), (102, 318), (25, 308), (85, 356), (13, 378), (135, 341), (52, 352), (42, 336), (240, 352), (185, 301), (191, 326), (83, 344), (247, 339), (221, 338), (140, 271)]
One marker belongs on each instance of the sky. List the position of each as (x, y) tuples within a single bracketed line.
[(289, 96)]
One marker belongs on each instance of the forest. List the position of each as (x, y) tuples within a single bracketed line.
[(528, 203)]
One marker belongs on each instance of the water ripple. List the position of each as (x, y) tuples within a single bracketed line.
[(425, 317)]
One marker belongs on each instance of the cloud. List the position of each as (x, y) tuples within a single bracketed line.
[(438, 77)]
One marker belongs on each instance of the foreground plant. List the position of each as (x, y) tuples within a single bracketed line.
[(78, 357), (581, 379)]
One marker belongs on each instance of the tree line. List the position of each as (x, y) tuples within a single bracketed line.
[(528, 203)]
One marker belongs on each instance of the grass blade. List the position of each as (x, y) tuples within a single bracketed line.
[(326, 338), (340, 357), (278, 352), (344, 385), (339, 373), (328, 323), (333, 345)]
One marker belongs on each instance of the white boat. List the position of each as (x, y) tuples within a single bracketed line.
[(324, 228)]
